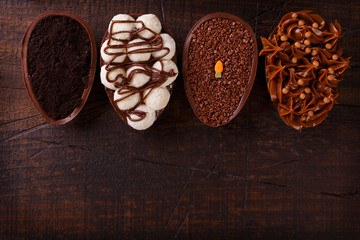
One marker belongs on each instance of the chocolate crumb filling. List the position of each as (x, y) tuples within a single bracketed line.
[(59, 56)]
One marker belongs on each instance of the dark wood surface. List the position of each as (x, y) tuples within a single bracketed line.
[(255, 178)]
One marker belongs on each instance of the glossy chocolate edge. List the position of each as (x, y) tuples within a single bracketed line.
[(110, 92), (253, 65), (25, 73)]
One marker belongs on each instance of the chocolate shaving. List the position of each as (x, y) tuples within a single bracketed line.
[(219, 39)]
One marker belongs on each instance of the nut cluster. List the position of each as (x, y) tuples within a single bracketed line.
[(304, 65)]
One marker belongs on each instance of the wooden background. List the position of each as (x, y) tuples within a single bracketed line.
[(255, 178)]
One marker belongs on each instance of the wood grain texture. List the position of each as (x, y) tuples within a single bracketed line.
[(254, 178)]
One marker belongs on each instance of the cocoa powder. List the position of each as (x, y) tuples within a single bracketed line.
[(59, 55), (216, 99)]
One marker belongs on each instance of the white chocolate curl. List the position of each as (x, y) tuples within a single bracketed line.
[(138, 56), (144, 123), (158, 98), (125, 28), (168, 42), (151, 22), (128, 102), (112, 76), (138, 79), (168, 65), (107, 57)]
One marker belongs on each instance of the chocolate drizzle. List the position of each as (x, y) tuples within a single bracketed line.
[(304, 65), (157, 77)]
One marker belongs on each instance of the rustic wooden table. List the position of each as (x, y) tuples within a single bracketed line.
[(254, 178)]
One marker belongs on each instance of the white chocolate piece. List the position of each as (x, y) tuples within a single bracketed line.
[(138, 56), (157, 99), (128, 102), (117, 27), (168, 42), (138, 79), (112, 75), (145, 122), (106, 57), (168, 65), (151, 22)]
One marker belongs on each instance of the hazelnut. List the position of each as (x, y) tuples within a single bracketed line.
[(307, 50), (294, 15), (315, 25), (284, 90), (297, 44), (307, 90), (326, 100), (294, 60), (315, 63), (303, 118), (328, 46), (314, 52), (283, 38), (302, 96), (331, 70), (335, 57), (300, 82), (330, 77), (308, 34), (307, 42), (301, 23), (310, 113)]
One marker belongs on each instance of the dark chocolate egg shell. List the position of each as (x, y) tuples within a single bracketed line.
[(110, 92), (185, 64), (25, 70)]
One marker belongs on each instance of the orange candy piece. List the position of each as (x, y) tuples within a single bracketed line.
[(218, 69)]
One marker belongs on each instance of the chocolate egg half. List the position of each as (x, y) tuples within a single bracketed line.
[(138, 60), (58, 57), (304, 65), (219, 67)]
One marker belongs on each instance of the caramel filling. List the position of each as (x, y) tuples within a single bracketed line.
[(304, 65)]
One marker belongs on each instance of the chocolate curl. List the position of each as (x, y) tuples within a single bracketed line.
[(307, 105), (297, 52), (316, 35), (335, 29), (273, 50), (292, 121), (341, 65), (315, 120), (322, 76), (306, 70), (276, 74), (277, 70), (335, 32), (279, 87), (285, 109), (295, 93), (285, 17)]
